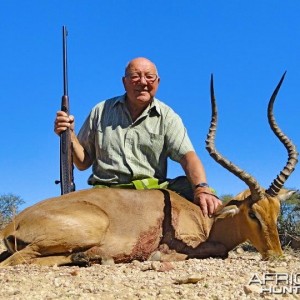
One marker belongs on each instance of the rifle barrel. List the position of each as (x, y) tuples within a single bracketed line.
[(66, 158), (65, 61)]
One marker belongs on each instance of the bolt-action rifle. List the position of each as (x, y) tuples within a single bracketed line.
[(66, 158)]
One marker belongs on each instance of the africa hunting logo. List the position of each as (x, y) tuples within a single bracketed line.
[(277, 283)]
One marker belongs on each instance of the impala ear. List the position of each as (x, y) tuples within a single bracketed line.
[(284, 194), (226, 211)]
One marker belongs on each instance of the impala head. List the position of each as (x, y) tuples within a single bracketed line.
[(256, 210), (253, 221)]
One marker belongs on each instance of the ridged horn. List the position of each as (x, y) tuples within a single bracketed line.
[(256, 191), (278, 183)]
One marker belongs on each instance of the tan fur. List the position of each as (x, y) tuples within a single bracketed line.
[(123, 225)]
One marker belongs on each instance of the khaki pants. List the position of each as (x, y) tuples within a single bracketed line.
[(181, 186)]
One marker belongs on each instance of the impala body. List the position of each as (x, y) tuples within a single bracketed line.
[(97, 225), (126, 224)]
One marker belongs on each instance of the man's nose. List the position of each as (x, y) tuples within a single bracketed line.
[(143, 79)]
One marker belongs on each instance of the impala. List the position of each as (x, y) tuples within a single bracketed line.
[(96, 225)]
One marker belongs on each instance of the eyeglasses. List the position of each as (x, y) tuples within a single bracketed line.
[(135, 77)]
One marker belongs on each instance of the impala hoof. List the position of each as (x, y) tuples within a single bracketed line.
[(80, 258)]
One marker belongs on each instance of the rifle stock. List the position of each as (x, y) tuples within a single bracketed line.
[(66, 158)]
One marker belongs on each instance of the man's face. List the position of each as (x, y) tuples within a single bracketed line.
[(141, 81)]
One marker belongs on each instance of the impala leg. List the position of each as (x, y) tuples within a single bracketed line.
[(30, 256), (93, 255), (20, 257), (209, 249), (58, 260)]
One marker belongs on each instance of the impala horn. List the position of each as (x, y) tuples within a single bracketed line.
[(278, 183), (257, 192)]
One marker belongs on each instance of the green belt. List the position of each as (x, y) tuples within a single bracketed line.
[(142, 184)]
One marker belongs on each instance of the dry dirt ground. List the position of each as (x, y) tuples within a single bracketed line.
[(243, 275)]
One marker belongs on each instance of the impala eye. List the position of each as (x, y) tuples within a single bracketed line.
[(252, 215)]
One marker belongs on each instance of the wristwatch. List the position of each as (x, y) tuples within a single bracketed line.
[(202, 184)]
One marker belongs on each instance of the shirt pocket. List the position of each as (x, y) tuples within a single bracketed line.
[(151, 145)]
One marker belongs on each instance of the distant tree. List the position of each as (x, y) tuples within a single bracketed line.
[(226, 197), (289, 219), (9, 206)]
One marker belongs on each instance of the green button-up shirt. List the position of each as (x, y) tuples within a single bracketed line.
[(123, 150)]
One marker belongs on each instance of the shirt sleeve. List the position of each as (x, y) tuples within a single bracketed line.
[(177, 140), (86, 135)]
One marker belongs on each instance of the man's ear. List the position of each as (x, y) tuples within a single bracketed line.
[(123, 80)]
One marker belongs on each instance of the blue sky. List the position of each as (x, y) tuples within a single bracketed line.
[(247, 45)]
